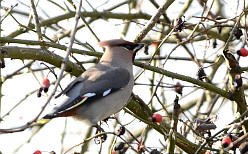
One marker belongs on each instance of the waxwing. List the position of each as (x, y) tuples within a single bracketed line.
[(103, 89)]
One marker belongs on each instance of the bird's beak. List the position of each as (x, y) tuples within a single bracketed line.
[(136, 49)]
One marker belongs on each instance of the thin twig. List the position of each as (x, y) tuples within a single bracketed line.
[(153, 20), (63, 66), (36, 20)]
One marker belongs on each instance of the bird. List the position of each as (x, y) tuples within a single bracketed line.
[(103, 89)]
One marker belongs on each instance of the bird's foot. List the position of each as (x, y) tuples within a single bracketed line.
[(102, 137)]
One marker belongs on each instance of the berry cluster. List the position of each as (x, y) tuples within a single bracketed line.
[(44, 87)]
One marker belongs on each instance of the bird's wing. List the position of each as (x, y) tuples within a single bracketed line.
[(69, 86), (92, 88)]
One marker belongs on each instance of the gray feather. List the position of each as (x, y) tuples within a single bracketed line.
[(95, 81)]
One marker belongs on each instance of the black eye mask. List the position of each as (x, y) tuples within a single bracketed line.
[(129, 46), (134, 47)]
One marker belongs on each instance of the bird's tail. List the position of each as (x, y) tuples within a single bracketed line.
[(42, 121), (45, 119)]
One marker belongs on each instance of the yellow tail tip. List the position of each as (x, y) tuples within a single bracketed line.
[(42, 121)]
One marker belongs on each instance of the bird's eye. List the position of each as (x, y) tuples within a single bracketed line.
[(129, 47)]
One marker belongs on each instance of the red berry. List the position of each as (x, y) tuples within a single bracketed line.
[(242, 52), (157, 118), (226, 142), (37, 152), (46, 84)]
